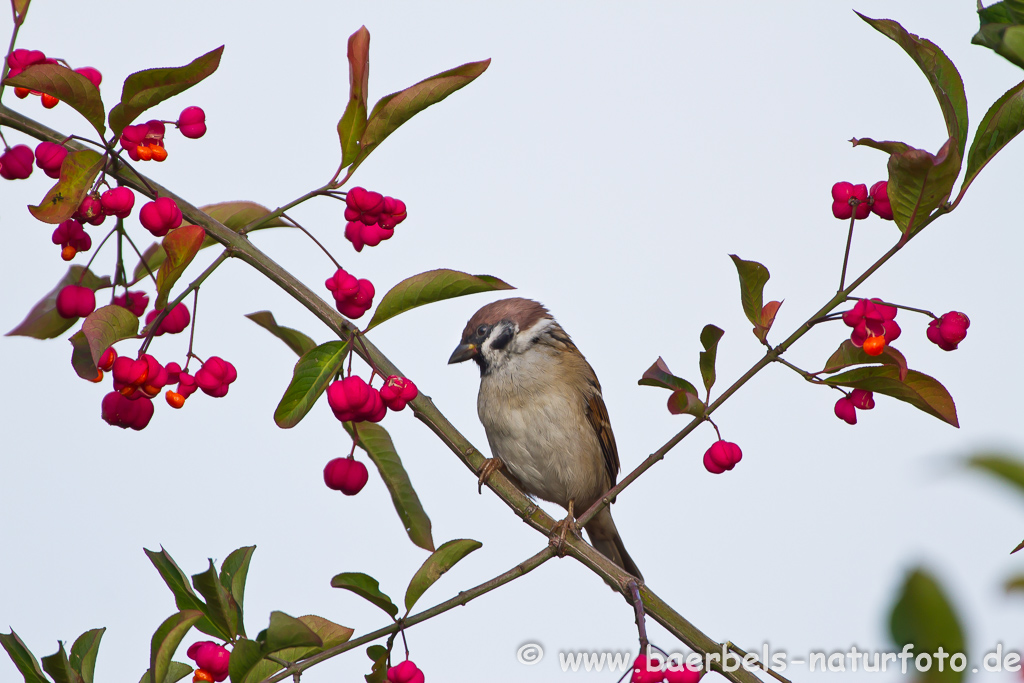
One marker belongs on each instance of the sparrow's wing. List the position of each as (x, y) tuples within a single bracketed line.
[(597, 415)]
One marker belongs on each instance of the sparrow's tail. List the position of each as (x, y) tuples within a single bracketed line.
[(605, 537)]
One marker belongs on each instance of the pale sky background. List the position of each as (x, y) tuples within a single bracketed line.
[(606, 164)]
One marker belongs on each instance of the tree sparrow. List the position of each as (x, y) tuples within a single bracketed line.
[(541, 406)]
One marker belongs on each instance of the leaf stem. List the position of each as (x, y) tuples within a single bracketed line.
[(10, 49), (310, 236), (809, 376), (849, 243), (141, 258), (905, 308)]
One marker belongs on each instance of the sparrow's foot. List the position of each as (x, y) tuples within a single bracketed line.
[(491, 465), (559, 531)]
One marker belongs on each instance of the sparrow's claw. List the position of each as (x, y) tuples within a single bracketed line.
[(559, 531), (491, 465)]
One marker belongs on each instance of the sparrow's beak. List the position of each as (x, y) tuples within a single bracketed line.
[(463, 352)]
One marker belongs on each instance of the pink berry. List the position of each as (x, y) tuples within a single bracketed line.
[(49, 157), (20, 59), (346, 475), (948, 330), (362, 205), (862, 399), (352, 297), (210, 657), (397, 391), (71, 234), (843, 193), (644, 671), (75, 301), (174, 322), (16, 162), (192, 122), (846, 411), (160, 216), (136, 302), (869, 318), (722, 456), (187, 384), (392, 213), (347, 397), (92, 74), (215, 376), (90, 210), (118, 411), (118, 202), (683, 674), (880, 200)]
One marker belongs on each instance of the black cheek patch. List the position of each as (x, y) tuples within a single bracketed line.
[(503, 338)]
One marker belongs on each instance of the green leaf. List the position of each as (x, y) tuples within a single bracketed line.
[(102, 328), (175, 672), (658, 375), (1005, 39), (686, 403), (847, 354), (1004, 467), (313, 372), (23, 658), (233, 572), (181, 246), (1014, 585), (184, 597), (296, 341), (74, 89), (353, 121), (84, 651), (43, 321), (918, 389), (59, 668), (367, 588), (221, 609), (377, 443), (431, 286), (393, 110), (753, 277), (439, 562), (379, 655), (145, 89), (1002, 122), (709, 337), (942, 76), (77, 173), (166, 640), (81, 357), (924, 618), (245, 655), (287, 631)]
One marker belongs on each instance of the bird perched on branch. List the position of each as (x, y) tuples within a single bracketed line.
[(541, 406)]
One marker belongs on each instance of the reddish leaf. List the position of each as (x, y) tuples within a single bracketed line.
[(69, 87), (43, 321), (353, 122), (658, 375), (77, 173), (918, 389), (683, 402), (181, 246), (847, 354), (768, 312), (145, 89)]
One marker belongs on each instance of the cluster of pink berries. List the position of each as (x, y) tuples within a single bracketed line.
[(21, 59), (847, 407), (405, 672), (858, 201), (873, 324), (145, 141), (212, 661), (352, 297), (722, 456), (647, 671), (371, 217)]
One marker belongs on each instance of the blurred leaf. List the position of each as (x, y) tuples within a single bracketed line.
[(330, 633), (1004, 467), (245, 655), (59, 668), (1001, 34), (918, 389), (658, 375), (23, 658), (77, 173), (84, 651), (1002, 122), (379, 655), (74, 89), (367, 588), (145, 89), (709, 337), (353, 122), (439, 562), (431, 286), (296, 341), (43, 321), (221, 608), (233, 572), (924, 618), (20, 10), (166, 640), (175, 672), (180, 246), (393, 110), (919, 181), (81, 357), (753, 277), (313, 372), (184, 597), (287, 631), (377, 443), (1015, 584), (685, 403), (941, 74), (847, 354), (768, 312), (1019, 547)]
